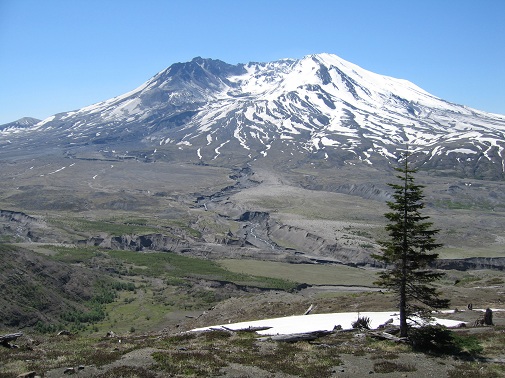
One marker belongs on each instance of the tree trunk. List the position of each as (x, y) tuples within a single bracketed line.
[(405, 247), (403, 315)]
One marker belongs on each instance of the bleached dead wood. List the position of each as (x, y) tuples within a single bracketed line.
[(387, 336), (247, 329), (494, 360), (294, 337), (29, 374), (309, 310)]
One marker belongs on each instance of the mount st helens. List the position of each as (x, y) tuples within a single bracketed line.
[(320, 109)]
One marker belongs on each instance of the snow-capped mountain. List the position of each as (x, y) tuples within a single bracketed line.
[(318, 107), (20, 124)]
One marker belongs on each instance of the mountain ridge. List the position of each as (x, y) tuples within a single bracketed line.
[(20, 123), (320, 107)]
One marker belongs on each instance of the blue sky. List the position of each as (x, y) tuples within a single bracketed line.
[(61, 55)]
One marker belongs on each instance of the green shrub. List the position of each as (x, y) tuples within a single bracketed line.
[(467, 344), (42, 327), (439, 340), (95, 314)]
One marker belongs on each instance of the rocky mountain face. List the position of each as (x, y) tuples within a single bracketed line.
[(317, 109)]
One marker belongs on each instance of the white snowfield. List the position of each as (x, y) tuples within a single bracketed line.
[(324, 322)]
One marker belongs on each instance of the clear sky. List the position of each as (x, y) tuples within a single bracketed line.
[(61, 55)]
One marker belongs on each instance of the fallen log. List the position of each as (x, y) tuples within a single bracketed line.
[(387, 336), (29, 374), (294, 337), (247, 329), (6, 339), (309, 310), (494, 360)]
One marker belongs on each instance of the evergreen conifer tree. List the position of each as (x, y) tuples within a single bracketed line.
[(407, 252)]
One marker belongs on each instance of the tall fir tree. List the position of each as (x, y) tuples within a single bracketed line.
[(407, 253)]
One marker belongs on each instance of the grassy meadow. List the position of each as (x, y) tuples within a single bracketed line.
[(312, 274)]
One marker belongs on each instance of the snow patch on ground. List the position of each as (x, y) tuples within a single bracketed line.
[(320, 322)]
